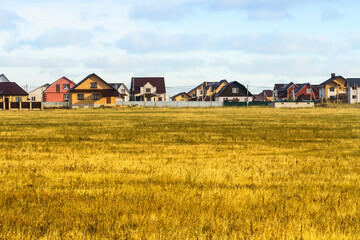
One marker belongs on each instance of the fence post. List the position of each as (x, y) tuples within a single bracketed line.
[(20, 105), (10, 102)]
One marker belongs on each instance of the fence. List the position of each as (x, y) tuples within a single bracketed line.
[(244, 104), (20, 105), (174, 104), (56, 104)]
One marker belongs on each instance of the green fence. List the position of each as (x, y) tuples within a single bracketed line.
[(244, 104)]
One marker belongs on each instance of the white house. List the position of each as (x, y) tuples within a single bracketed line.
[(353, 90), (37, 95)]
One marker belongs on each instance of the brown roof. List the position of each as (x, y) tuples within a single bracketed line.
[(158, 82), (11, 88)]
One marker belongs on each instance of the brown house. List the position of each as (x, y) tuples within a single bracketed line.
[(147, 89), (11, 95), (234, 92)]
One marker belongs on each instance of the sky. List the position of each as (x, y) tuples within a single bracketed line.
[(255, 42)]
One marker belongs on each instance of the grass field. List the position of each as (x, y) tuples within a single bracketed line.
[(135, 173)]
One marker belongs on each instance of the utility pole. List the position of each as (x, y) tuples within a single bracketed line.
[(247, 95)]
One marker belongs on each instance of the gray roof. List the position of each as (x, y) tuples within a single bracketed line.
[(353, 81)]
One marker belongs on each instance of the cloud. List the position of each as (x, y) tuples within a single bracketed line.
[(267, 43), (57, 62), (331, 15), (267, 14), (53, 38), (143, 64), (9, 20)]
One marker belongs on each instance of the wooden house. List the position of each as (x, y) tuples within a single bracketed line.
[(334, 89), (234, 92), (147, 89), (37, 95), (92, 91), (11, 94), (124, 93), (206, 91), (58, 90)]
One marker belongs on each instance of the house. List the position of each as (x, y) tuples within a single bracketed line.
[(123, 91), (264, 96), (92, 91), (234, 92), (11, 94), (147, 89), (285, 91), (353, 90), (307, 92), (3, 78), (37, 95), (334, 89), (206, 91), (183, 96), (58, 90)]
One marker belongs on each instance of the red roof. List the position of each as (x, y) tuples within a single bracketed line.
[(158, 82), (11, 88)]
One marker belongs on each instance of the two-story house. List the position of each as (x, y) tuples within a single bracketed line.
[(334, 89), (37, 95), (234, 92), (353, 90), (58, 90), (92, 91), (206, 91), (147, 89)]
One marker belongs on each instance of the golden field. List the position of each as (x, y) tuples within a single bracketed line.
[(146, 173)]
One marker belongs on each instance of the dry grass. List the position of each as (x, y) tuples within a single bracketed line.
[(134, 173)]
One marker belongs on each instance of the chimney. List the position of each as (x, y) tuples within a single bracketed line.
[(333, 75)]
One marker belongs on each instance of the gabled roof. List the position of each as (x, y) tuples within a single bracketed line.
[(118, 85), (45, 86), (353, 81), (333, 77), (3, 78), (194, 88), (265, 94), (158, 82), (301, 86), (106, 92), (180, 94), (58, 80), (242, 88), (11, 88)]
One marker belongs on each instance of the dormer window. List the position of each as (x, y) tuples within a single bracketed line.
[(148, 90), (93, 85)]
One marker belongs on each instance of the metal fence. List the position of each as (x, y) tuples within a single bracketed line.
[(174, 104)]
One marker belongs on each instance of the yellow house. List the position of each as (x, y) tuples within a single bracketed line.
[(334, 89), (11, 96), (183, 96), (206, 91), (92, 91)]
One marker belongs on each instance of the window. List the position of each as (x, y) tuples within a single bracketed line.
[(354, 96), (33, 99), (160, 99), (18, 99), (80, 97), (148, 99), (235, 90), (148, 90), (353, 88), (122, 90), (93, 85), (332, 89), (57, 87), (96, 96), (332, 97), (66, 97), (194, 95), (66, 86), (308, 90)]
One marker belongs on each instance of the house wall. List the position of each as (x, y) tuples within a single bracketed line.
[(339, 86), (13, 98), (124, 98), (88, 101), (353, 92), (182, 97), (51, 95), (37, 94)]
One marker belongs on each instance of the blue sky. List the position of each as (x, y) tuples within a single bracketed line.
[(255, 42)]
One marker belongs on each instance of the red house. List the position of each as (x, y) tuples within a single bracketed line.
[(57, 91), (307, 92)]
